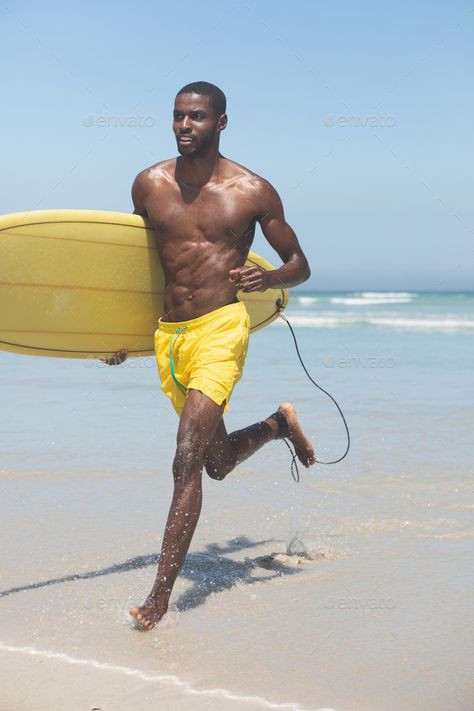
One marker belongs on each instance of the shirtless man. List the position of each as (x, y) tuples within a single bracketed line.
[(204, 209)]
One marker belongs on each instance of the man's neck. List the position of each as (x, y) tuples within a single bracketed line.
[(197, 171)]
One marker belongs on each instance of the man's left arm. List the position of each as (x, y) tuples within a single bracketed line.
[(295, 269)]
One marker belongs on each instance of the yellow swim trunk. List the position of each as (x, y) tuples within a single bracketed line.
[(206, 353)]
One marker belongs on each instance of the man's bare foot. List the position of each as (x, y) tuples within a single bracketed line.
[(303, 447), (148, 615)]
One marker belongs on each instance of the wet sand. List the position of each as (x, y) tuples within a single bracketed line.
[(377, 619)]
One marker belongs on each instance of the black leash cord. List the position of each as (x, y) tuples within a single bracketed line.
[(295, 472), (294, 465)]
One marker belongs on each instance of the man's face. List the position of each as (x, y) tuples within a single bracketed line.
[(196, 124)]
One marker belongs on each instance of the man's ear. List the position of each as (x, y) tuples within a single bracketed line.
[(222, 122)]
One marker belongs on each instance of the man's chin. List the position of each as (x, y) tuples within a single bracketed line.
[(187, 149)]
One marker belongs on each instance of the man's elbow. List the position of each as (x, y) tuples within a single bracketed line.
[(306, 271), (302, 272)]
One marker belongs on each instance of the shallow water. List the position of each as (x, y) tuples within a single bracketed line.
[(364, 604)]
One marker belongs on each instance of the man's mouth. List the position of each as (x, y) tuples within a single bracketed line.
[(185, 139)]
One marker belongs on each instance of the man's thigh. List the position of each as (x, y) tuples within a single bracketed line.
[(199, 422)]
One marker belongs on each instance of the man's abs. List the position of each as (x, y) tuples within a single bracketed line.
[(181, 304), (197, 280), (200, 238)]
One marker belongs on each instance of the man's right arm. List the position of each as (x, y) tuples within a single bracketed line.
[(138, 198), (138, 194)]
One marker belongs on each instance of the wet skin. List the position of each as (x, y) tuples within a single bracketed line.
[(204, 209)]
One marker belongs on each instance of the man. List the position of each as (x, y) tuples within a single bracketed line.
[(204, 209)]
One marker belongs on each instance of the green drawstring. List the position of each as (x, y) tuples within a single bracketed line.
[(177, 334)]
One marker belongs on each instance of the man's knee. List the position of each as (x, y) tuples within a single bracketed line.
[(216, 471), (189, 458), (218, 467)]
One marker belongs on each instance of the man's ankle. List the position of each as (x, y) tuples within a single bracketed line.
[(282, 424)]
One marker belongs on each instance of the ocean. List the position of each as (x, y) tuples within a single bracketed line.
[(348, 590)]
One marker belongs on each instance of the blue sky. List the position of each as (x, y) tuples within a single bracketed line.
[(359, 114)]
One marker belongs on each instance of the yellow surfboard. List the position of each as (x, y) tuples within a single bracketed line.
[(86, 283)]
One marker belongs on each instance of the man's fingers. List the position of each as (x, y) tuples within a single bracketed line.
[(252, 279), (252, 283), (248, 279), (116, 358), (243, 273)]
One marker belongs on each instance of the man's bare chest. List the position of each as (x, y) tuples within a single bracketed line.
[(210, 215)]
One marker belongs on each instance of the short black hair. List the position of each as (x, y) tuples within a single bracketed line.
[(204, 88)]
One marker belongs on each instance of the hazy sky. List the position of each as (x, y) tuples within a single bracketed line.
[(360, 114)]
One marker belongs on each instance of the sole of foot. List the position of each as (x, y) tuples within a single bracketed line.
[(303, 447)]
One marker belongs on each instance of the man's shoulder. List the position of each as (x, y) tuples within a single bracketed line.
[(248, 179), (164, 169)]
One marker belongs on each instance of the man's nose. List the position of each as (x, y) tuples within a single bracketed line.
[(186, 122)]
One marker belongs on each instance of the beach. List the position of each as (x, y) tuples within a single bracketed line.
[(350, 590)]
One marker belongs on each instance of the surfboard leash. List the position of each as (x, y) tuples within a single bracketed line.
[(294, 465)]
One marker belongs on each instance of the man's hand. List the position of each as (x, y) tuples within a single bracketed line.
[(117, 358), (249, 278)]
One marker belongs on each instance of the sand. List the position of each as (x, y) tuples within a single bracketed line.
[(381, 625)]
